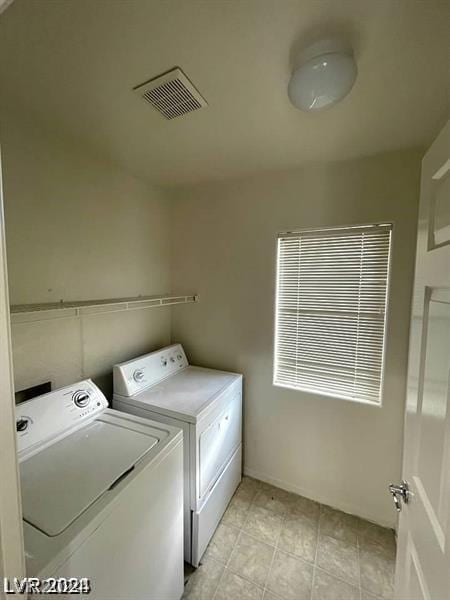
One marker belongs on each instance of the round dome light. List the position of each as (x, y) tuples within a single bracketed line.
[(322, 80)]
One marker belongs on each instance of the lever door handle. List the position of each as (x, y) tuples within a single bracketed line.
[(400, 493)]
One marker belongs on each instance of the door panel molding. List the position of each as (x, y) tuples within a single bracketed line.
[(12, 563), (423, 558)]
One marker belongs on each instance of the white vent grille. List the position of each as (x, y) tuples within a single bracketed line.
[(172, 94)]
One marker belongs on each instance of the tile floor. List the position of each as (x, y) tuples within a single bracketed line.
[(274, 545)]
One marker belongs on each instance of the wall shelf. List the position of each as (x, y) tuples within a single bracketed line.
[(22, 313)]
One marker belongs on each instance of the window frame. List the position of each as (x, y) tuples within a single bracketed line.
[(355, 226)]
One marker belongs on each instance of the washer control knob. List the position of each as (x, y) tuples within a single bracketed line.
[(138, 375), (22, 424), (172, 359), (81, 398), (164, 361), (179, 357)]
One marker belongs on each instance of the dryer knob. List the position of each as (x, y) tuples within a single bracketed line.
[(138, 375)]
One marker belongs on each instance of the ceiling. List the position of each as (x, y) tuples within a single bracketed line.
[(72, 64)]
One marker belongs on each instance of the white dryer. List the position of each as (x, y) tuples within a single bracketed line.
[(101, 494), (207, 405)]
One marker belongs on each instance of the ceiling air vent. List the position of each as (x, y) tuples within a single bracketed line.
[(172, 94)]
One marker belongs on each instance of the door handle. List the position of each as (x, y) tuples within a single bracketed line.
[(400, 493)]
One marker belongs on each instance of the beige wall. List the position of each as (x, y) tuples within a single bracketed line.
[(78, 227), (224, 238)]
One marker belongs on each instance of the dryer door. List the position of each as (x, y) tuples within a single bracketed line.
[(218, 440)]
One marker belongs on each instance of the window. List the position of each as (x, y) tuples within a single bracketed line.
[(331, 311)]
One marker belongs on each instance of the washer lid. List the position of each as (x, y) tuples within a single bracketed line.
[(63, 480)]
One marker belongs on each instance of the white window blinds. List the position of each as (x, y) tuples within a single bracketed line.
[(331, 311)]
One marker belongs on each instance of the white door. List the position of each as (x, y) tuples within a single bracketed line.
[(11, 540), (423, 558)]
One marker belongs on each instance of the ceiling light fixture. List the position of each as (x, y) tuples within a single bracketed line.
[(325, 75)]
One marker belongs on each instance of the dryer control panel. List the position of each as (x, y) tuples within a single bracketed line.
[(140, 373), (45, 417)]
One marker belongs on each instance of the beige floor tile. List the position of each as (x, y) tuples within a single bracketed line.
[(299, 505), (236, 512), (247, 494), (203, 583), (250, 484), (233, 587), (273, 499), (290, 578), (222, 542), (386, 547), (349, 551), (377, 571), (338, 558), (263, 524), (299, 536), (269, 596), (251, 559), (367, 596), (375, 534), (327, 587), (339, 525), (248, 488)]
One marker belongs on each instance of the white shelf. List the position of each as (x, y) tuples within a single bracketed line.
[(21, 313)]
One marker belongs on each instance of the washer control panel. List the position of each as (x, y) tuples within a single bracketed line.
[(140, 373), (46, 416)]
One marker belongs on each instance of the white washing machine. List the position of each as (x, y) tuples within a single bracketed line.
[(207, 405), (101, 494)]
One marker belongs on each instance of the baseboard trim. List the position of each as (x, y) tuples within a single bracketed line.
[(285, 485)]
